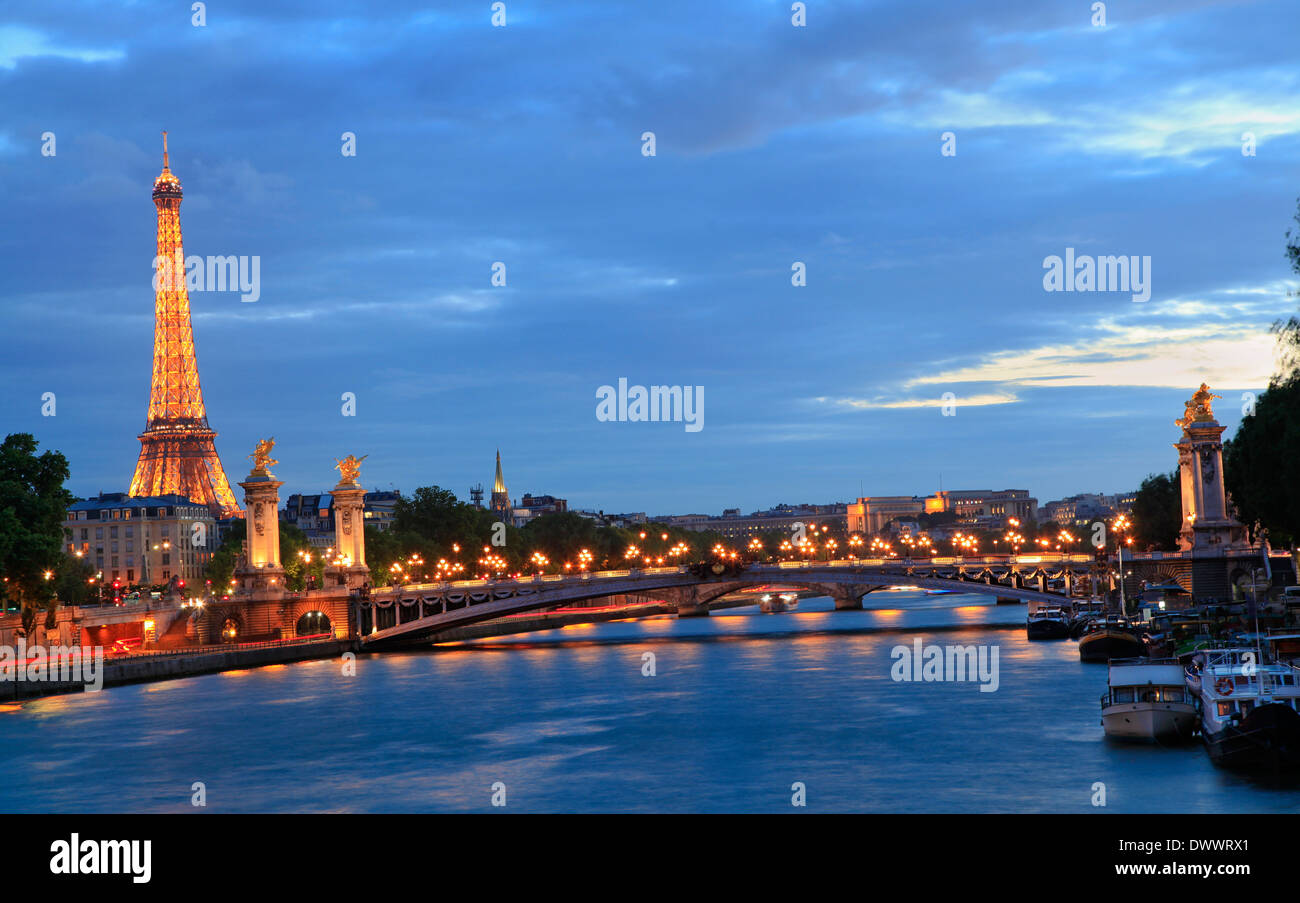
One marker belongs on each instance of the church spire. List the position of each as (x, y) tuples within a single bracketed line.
[(500, 497)]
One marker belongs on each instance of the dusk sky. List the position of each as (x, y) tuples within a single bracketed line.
[(775, 144)]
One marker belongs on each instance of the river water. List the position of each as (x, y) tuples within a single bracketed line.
[(741, 707)]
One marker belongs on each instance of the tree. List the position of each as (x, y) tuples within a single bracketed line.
[(294, 549), (436, 515), (1158, 512), (33, 505), (221, 567), (1262, 461)]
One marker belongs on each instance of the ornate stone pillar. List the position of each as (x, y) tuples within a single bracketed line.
[(349, 565), (261, 572), (1207, 524)]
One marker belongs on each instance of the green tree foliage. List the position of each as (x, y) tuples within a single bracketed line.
[(435, 515), (1157, 512), (299, 558), (222, 566), (1262, 461), (33, 504)]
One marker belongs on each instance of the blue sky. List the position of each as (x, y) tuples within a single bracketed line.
[(774, 144)]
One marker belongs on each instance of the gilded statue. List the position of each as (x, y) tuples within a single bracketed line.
[(1199, 408), (261, 457), (349, 468)]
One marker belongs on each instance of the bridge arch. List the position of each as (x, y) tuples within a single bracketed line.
[(313, 623), (419, 613)]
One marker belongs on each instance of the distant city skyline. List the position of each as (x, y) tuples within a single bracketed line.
[(925, 272)]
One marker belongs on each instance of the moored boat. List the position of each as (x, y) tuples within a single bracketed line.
[(1148, 700), (1085, 611), (772, 603), (1047, 624), (1110, 637), (1249, 716)]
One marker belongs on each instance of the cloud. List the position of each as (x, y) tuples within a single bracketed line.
[(1226, 343), (968, 401), (19, 43)]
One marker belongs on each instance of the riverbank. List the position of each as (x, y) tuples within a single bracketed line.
[(182, 663)]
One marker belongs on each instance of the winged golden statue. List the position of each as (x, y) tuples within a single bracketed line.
[(1199, 407), (349, 468), (261, 456)]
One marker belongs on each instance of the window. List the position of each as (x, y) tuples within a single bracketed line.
[(130, 532), (99, 532), (167, 558), (84, 533), (130, 575), (112, 532), (1225, 709), (1124, 694)]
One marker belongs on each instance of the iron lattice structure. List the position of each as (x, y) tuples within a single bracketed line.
[(177, 454)]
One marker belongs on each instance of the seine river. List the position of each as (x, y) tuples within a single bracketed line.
[(742, 706)]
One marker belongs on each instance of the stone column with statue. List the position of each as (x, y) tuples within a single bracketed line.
[(261, 571), (1207, 524), (349, 564)]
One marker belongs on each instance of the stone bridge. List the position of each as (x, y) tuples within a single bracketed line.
[(413, 614)]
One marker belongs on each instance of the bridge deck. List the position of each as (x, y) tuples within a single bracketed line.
[(423, 610)]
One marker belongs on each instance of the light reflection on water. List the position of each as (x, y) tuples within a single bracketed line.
[(743, 704)]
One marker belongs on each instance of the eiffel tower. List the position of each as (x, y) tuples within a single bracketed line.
[(177, 455)]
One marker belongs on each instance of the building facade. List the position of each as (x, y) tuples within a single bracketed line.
[(144, 541), (314, 514), (781, 518)]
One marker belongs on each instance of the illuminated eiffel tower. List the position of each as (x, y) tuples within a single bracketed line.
[(177, 455)]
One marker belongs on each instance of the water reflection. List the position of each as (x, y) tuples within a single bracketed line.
[(739, 707)]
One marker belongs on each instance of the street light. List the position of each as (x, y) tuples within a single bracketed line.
[(1119, 525)]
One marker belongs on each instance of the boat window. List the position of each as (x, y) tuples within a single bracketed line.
[(1225, 709), (1171, 694), (1241, 680), (1246, 706), (1124, 694)]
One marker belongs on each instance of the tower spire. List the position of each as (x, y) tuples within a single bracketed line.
[(177, 455), (500, 502)]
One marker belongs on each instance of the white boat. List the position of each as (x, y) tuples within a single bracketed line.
[(1148, 700), (778, 602), (1250, 708)]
